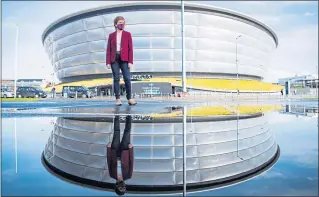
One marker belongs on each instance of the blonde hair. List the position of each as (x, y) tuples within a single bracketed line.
[(117, 19)]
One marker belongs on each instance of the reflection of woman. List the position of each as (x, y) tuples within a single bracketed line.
[(120, 155), (119, 55)]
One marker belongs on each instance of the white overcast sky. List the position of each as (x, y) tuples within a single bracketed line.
[(295, 23)]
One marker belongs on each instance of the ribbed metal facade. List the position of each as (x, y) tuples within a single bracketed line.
[(213, 152)]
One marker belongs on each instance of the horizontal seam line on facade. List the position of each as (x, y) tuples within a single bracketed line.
[(110, 123), (157, 60), (134, 24), (168, 36), (100, 50), (104, 50), (240, 129), (143, 147), (149, 49), (220, 142), (86, 41), (103, 63), (213, 62)]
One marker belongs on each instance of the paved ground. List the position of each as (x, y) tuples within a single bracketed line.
[(108, 101), (80, 103), (102, 107)]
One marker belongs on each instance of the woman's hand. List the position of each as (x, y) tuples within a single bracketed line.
[(130, 65), (108, 66)]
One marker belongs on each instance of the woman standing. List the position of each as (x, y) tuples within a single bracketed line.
[(119, 55)]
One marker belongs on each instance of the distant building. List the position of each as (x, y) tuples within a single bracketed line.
[(9, 83), (300, 80)]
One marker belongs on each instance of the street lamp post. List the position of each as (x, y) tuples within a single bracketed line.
[(16, 62), (237, 67), (184, 150), (16, 144), (261, 93), (237, 96), (183, 48)]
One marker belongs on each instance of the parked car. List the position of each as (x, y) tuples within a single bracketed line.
[(93, 91), (80, 91), (30, 92), (6, 93)]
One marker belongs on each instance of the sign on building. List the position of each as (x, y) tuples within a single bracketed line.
[(152, 88), (140, 77)]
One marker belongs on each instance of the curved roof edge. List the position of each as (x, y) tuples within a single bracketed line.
[(164, 189), (177, 119), (133, 6)]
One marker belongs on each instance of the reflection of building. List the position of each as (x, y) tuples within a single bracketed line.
[(300, 110), (76, 43), (215, 157)]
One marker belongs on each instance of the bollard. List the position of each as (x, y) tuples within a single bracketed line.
[(76, 95)]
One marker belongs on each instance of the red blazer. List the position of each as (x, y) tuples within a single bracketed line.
[(126, 48), (127, 160)]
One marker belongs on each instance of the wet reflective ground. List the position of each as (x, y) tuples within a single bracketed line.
[(275, 153)]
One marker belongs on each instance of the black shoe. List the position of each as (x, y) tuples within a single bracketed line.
[(119, 104), (132, 103)]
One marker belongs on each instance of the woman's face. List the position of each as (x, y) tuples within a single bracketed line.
[(120, 22)]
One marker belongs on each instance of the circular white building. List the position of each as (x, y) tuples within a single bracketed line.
[(76, 43)]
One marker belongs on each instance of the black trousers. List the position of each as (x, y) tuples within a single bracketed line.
[(116, 66), (118, 145)]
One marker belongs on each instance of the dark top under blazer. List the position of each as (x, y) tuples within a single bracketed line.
[(126, 48), (127, 160)]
